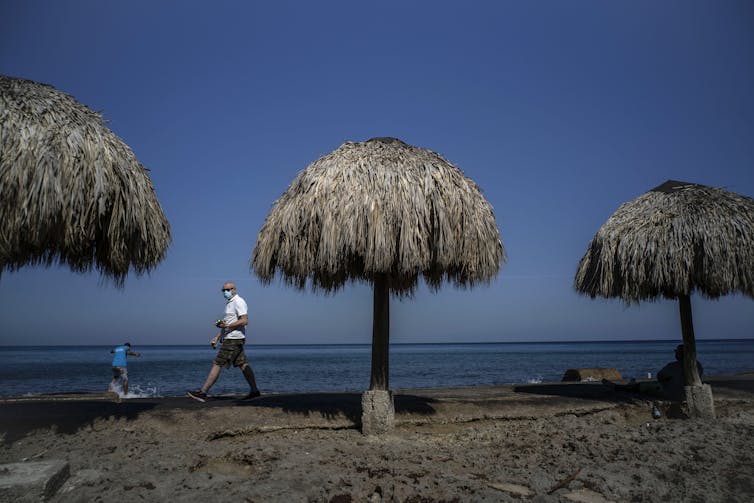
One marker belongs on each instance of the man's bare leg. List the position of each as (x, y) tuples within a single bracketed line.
[(214, 373), (249, 375)]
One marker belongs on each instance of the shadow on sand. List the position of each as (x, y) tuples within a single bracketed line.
[(332, 405), (586, 391), (740, 382), (17, 419), (597, 391)]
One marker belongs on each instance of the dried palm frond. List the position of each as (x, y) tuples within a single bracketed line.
[(380, 207), (671, 241), (72, 192)]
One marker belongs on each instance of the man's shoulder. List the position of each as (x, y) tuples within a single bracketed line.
[(238, 304), (672, 367)]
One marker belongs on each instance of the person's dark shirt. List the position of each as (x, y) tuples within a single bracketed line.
[(673, 380)]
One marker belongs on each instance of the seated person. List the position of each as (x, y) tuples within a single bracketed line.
[(670, 381)]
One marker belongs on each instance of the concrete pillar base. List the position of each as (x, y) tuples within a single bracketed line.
[(32, 481), (699, 401), (377, 412)]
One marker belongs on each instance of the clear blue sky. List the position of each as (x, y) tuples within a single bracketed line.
[(560, 111)]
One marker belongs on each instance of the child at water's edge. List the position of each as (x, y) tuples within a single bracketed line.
[(120, 369)]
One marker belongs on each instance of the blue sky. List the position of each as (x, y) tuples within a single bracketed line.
[(560, 111)]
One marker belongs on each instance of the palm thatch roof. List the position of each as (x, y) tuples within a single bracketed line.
[(675, 239), (380, 207), (72, 192)]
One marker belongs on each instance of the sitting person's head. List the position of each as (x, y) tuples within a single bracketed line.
[(679, 352)]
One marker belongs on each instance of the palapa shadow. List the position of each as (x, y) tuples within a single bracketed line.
[(17, 419), (743, 381), (333, 405), (586, 391)]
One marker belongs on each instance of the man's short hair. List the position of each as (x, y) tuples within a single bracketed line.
[(127, 344)]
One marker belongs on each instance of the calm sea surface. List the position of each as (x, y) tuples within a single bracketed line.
[(171, 370)]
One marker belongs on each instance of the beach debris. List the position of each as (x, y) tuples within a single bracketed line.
[(87, 476), (376, 496), (591, 374), (564, 483), (586, 496), (515, 489), (37, 455)]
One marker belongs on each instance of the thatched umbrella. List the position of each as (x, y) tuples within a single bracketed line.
[(384, 212), (671, 241), (71, 191)]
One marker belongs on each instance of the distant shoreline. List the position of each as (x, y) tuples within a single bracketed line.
[(743, 378)]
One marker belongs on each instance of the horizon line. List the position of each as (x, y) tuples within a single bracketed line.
[(399, 343)]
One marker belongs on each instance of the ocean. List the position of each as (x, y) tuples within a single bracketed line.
[(171, 370)]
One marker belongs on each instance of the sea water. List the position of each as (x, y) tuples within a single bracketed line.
[(171, 370)]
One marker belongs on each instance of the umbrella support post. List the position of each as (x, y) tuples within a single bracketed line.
[(689, 342), (699, 401), (698, 396), (377, 412), (377, 407)]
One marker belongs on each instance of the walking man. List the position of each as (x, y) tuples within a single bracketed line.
[(232, 336), (120, 369)]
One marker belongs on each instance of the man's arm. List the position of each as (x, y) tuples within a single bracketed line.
[(132, 353), (216, 338), (242, 321)]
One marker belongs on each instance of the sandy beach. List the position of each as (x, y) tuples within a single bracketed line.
[(547, 442)]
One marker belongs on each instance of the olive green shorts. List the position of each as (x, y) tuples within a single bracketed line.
[(120, 372), (231, 352)]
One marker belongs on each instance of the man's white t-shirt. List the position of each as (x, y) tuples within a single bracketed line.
[(235, 308)]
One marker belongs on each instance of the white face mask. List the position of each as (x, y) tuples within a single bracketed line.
[(227, 294)]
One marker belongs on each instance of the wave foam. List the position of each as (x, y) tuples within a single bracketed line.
[(135, 391)]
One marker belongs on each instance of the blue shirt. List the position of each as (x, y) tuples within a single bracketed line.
[(119, 360)]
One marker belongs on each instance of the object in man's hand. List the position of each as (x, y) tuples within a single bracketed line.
[(218, 323)]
